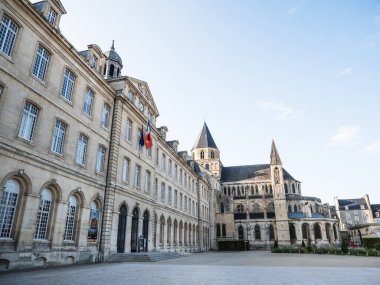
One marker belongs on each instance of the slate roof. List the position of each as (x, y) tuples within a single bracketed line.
[(353, 204), (205, 139), (302, 216), (375, 208), (255, 172), (274, 156), (112, 54)]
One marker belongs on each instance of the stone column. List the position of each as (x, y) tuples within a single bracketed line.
[(128, 233), (59, 225), (28, 226)]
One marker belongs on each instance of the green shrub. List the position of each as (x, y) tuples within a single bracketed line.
[(371, 243), (302, 250), (344, 246), (373, 252)]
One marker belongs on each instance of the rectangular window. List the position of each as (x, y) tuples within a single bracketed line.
[(169, 195), (170, 169), (125, 176), (28, 121), (68, 85), (185, 204), (163, 162), (87, 103), (149, 152), (8, 31), (105, 115), (139, 133), (70, 221), (52, 16), (155, 187), (364, 218), (101, 159), (81, 149), (176, 172), (185, 180), (138, 176), (58, 137), (180, 177), (180, 201), (348, 218), (175, 198), (147, 181), (163, 191), (41, 63), (94, 61), (128, 131)]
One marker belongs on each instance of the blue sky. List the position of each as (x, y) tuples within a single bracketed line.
[(304, 73)]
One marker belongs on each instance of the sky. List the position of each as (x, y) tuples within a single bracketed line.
[(304, 73)]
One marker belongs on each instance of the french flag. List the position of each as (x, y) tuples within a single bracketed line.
[(148, 137)]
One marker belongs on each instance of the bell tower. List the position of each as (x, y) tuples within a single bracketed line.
[(206, 153), (277, 180), (114, 64)]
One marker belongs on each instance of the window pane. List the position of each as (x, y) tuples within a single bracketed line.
[(41, 63), (43, 215), (8, 206), (28, 121), (8, 31), (67, 85), (105, 116), (58, 137), (100, 160), (88, 99), (81, 149)]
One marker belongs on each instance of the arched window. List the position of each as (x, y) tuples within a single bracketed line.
[(94, 221), (162, 229), (317, 231), (224, 230), (257, 189), (43, 214), (270, 190), (295, 209), (112, 70), (271, 232), (335, 232), (286, 189), (169, 231), (70, 219), (293, 189), (217, 230), (290, 209), (222, 208), (175, 233), (212, 154), (257, 232), (8, 35), (266, 189), (202, 154), (241, 232), (8, 207)]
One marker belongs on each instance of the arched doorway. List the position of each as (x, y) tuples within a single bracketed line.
[(134, 231), (145, 231), (121, 229), (305, 231), (293, 235), (317, 231), (328, 233), (241, 232)]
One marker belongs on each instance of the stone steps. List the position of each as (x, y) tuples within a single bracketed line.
[(143, 257)]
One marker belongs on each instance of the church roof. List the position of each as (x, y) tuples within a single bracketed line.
[(205, 139), (274, 156), (113, 55), (255, 172)]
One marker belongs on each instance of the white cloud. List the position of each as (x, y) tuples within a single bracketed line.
[(347, 71), (292, 11), (345, 135), (280, 110), (372, 148)]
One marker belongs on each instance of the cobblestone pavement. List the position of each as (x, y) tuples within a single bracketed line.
[(213, 268)]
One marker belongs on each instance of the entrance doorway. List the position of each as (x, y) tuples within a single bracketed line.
[(121, 229), (145, 231), (134, 231)]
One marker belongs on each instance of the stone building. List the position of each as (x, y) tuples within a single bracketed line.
[(76, 183), (76, 186), (262, 203), (358, 218)]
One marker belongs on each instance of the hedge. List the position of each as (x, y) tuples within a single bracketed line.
[(371, 243)]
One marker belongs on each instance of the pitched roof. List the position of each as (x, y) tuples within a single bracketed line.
[(352, 204), (274, 156), (255, 172), (205, 139), (375, 208)]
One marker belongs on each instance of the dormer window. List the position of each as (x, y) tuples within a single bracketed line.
[(52, 16), (94, 61)]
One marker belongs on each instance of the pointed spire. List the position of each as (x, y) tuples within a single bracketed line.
[(113, 45), (205, 139), (274, 156)]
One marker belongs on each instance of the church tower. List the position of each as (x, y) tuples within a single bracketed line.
[(206, 153), (277, 180)]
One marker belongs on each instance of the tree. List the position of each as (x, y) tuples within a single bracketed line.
[(344, 245)]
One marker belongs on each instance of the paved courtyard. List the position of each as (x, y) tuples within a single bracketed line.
[(213, 268)]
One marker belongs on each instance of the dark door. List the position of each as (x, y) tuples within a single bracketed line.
[(121, 229), (134, 231), (145, 231), (241, 233)]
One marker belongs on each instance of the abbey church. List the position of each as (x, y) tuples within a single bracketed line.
[(87, 175)]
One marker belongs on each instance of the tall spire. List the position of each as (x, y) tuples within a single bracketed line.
[(274, 156), (205, 139), (113, 45)]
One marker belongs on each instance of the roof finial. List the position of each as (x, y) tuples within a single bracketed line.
[(113, 45)]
